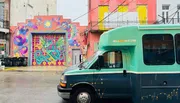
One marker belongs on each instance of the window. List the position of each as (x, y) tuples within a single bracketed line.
[(178, 17), (113, 60), (165, 7), (167, 17), (163, 18), (178, 6), (158, 49), (1, 13), (162, 14), (96, 45), (177, 39)]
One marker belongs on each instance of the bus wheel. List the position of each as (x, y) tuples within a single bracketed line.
[(83, 95)]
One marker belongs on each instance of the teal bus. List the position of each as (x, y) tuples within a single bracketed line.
[(141, 63)]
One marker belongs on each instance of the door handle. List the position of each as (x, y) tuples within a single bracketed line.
[(125, 73), (165, 83)]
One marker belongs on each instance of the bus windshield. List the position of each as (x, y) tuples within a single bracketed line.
[(89, 60)]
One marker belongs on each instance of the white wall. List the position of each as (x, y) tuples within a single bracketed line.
[(172, 9), (20, 10), (1, 14), (72, 9), (2, 0)]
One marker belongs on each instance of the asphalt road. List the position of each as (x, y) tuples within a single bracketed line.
[(32, 87)]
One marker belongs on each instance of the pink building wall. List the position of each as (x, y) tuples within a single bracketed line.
[(47, 48), (94, 16)]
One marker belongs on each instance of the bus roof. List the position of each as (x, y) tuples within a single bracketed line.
[(160, 27), (128, 35)]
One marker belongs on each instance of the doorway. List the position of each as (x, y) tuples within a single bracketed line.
[(76, 56)]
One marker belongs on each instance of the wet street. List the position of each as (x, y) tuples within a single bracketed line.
[(31, 87)]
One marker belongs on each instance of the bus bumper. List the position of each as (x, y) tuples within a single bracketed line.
[(64, 92)]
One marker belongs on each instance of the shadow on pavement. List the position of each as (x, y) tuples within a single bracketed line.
[(110, 101), (114, 101)]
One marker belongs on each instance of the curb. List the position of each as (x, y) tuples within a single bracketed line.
[(30, 70), (9, 69), (33, 69)]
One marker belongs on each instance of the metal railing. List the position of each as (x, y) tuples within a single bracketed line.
[(170, 21), (106, 25)]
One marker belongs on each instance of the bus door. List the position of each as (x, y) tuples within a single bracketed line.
[(112, 80)]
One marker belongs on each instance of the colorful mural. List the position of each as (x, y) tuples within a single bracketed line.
[(48, 49), (20, 39), (47, 40)]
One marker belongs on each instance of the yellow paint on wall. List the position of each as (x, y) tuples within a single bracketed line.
[(142, 14), (34, 63), (49, 63), (123, 9), (17, 55), (44, 63), (101, 11), (59, 63)]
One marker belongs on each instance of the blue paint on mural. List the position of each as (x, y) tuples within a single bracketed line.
[(51, 50), (40, 58)]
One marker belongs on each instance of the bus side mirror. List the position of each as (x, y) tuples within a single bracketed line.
[(101, 61)]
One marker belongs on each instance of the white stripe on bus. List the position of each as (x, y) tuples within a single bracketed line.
[(120, 72)]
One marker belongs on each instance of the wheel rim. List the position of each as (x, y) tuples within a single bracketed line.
[(83, 97)]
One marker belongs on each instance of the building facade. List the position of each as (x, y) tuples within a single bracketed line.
[(4, 28), (116, 13), (45, 38), (27, 9), (168, 11), (48, 41)]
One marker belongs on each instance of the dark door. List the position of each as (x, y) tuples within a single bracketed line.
[(110, 80)]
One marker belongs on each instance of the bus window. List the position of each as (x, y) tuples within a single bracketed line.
[(113, 60), (158, 49), (177, 39)]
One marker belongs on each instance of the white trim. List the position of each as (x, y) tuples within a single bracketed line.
[(159, 28), (89, 73), (120, 72), (173, 72)]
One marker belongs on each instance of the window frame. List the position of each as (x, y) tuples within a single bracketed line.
[(111, 68), (158, 64), (121, 59), (177, 59)]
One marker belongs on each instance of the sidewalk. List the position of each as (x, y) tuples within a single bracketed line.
[(36, 69)]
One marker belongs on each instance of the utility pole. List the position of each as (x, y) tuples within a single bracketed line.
[(47, 9)]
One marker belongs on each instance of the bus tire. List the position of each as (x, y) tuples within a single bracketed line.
[(83, 94)]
